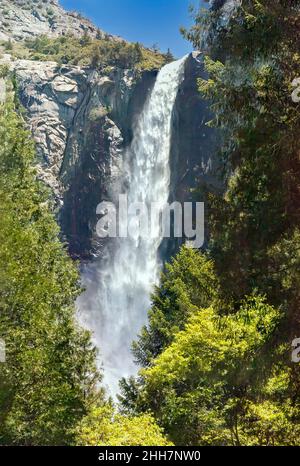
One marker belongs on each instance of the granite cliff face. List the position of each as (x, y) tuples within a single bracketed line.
[(22, 19), (82, 119), (193, 155), (93, 162)]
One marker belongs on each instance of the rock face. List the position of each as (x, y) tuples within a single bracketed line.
[(193, 155), (194, 144), (92, 165), (21, 19), (226, 6), (82, 119), (194, 162), (51, 95)]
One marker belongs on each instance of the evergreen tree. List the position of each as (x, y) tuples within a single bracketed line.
[(47, 383), (209, 386), (222, 374), (169, 56), (99, 35), (95, 56), (189, 278), (85, 39)]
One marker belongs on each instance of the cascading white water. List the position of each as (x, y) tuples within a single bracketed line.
[(118, 287)]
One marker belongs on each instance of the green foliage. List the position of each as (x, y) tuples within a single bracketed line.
[(9, 45), (189, 279), (202, 386), (48, 381), (98, 113), (250, 90), (105, 428), (217, 351), (86, 51), (4, 71), (169, 56)]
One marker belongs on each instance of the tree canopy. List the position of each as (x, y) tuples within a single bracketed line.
[(217, 350)]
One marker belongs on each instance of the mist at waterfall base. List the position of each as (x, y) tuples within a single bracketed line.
[(119, 284)]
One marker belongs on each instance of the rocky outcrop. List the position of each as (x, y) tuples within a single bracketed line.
[(92, 166), (51, 96), (81, 120), (22, 19), (194, 148), (193, 155), (224, 10), (225, 6)]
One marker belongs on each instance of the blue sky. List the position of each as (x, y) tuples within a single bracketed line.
[(145, 21)]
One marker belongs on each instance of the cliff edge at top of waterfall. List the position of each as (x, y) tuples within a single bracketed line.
[(44, 31)]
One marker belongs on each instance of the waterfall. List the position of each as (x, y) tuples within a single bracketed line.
[(118, 287)]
